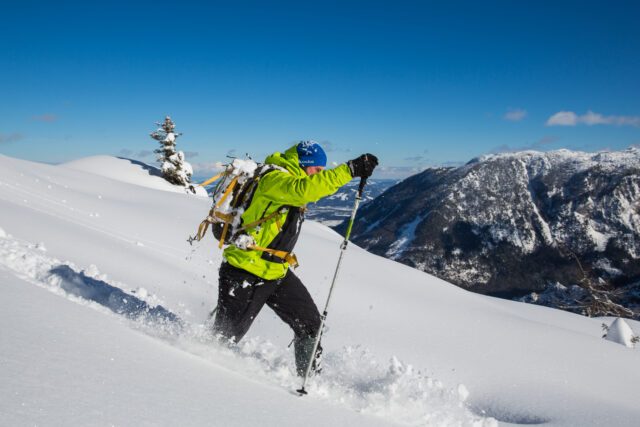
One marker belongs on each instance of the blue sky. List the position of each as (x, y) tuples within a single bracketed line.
[(418, 83)]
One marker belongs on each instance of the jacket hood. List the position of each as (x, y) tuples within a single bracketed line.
[(288, 160)]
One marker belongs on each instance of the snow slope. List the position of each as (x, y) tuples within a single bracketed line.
[(86, 367), (106, 306), (125, 170)]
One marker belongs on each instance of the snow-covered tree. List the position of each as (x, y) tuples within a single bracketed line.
[(174, 168)]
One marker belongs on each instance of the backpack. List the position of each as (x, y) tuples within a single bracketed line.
[(232, 195)]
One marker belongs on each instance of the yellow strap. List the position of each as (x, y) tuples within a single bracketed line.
[(224, 234), (224, 217), (227, 192), (260, 221), (210, 180), (226, 223), (204, 225), (289, 257)]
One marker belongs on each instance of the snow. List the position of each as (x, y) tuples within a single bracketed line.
[(477, 187), (332, 223), (242, 167), (605, 265), (80, 366), (393, 391), (407, 235), (126, 170), (98, 330), (600, 240), (167, 165), (577, 160), (186, 166), (341, 196), (244, 241), (176, 166), (620, 332)]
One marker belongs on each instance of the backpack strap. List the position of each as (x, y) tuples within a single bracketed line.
[(227, 219), (212, 179), (289, 257), (228, 191), (254, 224), (203, 227)]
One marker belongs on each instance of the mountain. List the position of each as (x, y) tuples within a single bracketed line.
[(516, 223), (104, 309)]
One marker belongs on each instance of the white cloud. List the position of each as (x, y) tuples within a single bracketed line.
[(628, 121), (592, 118), (515, 115), (208, 167), (563, 118), (569, 118)]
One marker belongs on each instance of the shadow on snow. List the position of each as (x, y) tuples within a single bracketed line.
[(113, 298), (153, 171)]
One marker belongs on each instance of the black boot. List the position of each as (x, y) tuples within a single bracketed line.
[(303, 346)]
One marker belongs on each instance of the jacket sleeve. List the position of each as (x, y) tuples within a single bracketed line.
[(284, 189)]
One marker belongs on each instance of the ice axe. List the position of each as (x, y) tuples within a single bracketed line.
[(323, 317)]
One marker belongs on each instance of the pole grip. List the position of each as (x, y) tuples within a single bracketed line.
[(363, 182)]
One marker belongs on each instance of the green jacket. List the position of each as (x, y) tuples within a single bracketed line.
[(288, 191)]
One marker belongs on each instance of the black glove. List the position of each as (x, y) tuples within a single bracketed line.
[(363, 166)]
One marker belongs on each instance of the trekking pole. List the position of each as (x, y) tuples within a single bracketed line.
[(343, 248)]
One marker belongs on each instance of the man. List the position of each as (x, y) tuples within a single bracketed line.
[(249, 279)]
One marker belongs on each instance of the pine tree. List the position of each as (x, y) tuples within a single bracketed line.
[(174, 168)]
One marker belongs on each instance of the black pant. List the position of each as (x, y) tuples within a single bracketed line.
[(241, 296)]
